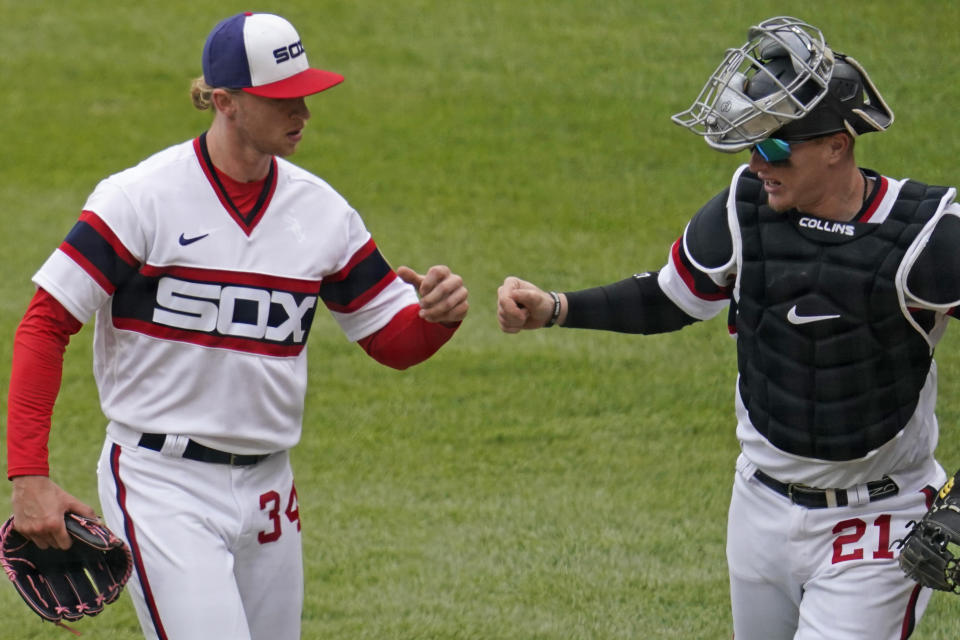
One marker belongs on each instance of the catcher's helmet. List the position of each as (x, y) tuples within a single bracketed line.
[(784, 80)]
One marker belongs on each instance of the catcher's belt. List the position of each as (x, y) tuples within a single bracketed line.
[(814, 498), (197, 451)]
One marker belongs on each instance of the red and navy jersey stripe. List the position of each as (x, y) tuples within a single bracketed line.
[(366, 275), (93, 246)]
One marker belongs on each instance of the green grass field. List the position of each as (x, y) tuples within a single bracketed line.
[(545, 486)]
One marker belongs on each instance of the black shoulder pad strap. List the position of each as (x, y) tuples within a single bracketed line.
[(707, 236), (935, 276)]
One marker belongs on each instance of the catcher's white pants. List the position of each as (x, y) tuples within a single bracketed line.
[(821, 574), (216, 548)]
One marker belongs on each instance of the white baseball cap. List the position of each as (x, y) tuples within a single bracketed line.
[(262, 54)]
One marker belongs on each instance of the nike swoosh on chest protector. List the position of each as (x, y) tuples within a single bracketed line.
[(794, 318)]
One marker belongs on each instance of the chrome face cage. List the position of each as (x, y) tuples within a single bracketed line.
[(728, 118)]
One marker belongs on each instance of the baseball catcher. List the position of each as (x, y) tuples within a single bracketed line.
[(929, 554), (837, 309), (67, 584)]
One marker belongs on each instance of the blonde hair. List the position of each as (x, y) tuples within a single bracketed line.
[(200, 93)]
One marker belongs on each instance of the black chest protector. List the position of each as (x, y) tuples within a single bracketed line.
[(830, 368)]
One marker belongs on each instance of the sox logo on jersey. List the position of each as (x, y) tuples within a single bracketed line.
[(203, 307), (253, 313)]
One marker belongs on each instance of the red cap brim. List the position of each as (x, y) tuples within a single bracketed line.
[(302, 84)]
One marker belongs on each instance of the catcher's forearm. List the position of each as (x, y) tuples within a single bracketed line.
[(634, 305)]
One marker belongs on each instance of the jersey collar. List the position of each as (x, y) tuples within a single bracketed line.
[(247, 221)]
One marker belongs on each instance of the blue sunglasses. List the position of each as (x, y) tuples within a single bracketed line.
[(773, 149)]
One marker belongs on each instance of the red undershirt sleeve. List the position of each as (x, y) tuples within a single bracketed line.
[(38, 348), (407, 339)]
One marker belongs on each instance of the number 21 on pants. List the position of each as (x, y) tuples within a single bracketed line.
[(271, 503), (848, 546)]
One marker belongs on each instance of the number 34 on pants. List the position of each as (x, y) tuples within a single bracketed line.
[(271, 502)]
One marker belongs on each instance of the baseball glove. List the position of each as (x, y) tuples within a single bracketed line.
[(67, 584), (930, 554)]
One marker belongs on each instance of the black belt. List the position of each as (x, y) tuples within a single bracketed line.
[(814, 498), (196, 451)]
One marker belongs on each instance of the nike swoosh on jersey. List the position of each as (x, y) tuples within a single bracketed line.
[(185, 240), (794, 318)]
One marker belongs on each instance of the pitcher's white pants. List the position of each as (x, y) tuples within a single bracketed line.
[(216, 547)]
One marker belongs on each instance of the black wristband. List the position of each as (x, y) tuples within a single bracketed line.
[(556, 310)]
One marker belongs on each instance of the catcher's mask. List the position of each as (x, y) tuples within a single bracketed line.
[(784, 79)]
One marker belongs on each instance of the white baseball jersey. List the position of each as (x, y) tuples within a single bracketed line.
[(203, 313)]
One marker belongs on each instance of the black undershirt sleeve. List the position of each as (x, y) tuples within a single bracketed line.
[(634, 305)]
